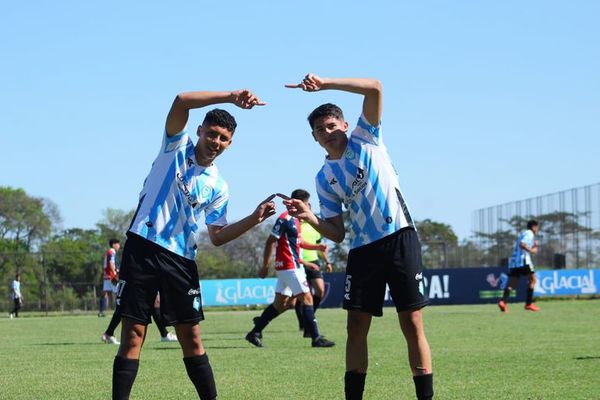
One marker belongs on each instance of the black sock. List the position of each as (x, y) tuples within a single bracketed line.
[(200, 373), (424, 386), (506, 294), (316, 302), (529, 296), (298, 308), (354, 385), (310, 321), (124, 372), (267, 316), (159, 322), (114, 322), (101, 308)]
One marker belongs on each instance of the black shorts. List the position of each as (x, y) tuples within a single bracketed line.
[(395, 260), (311, 273), (521, 271), (146, 269)]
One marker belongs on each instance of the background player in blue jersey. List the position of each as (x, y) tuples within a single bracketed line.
[(521, 264), (385, 248), (160, 251)]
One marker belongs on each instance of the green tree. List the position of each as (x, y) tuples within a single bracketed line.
[(115, 223), (437, 239)]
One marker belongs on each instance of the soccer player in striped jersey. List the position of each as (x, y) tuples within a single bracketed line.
[(385, 249), (160, 251), (292, 284), (521, 264)]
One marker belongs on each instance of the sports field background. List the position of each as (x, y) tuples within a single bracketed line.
[(478, 353)]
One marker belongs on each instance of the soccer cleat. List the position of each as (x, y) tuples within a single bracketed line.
[(503, 306), (322, 342), (253, 337), (532, 307), (101, 314), (171, 337), (109, 339)]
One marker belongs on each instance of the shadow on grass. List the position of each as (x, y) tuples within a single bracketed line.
[(588, 358)]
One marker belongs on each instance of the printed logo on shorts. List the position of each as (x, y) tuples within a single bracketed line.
[(419, 276), (347, 285), (193, 292), (119, 291), (196, 303)]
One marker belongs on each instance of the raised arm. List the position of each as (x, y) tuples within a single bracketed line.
[(220, 235), (184, 102), (371, 89)]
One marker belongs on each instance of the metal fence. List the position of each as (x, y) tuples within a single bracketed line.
[(569, 221)]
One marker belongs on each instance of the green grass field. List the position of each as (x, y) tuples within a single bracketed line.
[(478, 353)]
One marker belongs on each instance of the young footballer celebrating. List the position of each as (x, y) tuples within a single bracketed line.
[(385, 248), (161, 247)]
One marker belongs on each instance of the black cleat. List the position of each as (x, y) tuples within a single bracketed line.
[(253, 337), (322, 342)]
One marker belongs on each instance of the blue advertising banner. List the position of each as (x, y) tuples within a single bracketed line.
[(567, 282), (237, 292), (444, 286)]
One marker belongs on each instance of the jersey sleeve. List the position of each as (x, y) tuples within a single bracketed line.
[(171, 143), (216, 211), (279, 228), (330, 203), (366, 132), (528, 238)]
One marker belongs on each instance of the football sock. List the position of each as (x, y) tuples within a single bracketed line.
[(124, 372), (424, 386), (298, 308), (200, 373), (316, 302), (308, 312), (529, 296), (506, 294), (354, 385), (159, 322), (114, 322), (102, 306), (267, 316)]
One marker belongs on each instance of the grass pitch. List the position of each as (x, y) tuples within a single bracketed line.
[(478, 353)]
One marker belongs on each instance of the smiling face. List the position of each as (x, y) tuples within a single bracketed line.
[(212, 141), (330, 132)]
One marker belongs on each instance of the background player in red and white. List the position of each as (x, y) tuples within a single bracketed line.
[(385, 249), (109, 274), (286, 240)]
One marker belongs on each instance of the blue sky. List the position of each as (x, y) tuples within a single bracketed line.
[(485, 102)]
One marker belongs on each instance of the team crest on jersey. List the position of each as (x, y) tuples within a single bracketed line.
[(349, 154), (205, 191)]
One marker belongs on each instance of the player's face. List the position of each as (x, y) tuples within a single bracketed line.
[(117, 246), (330, 133), (535, 229), (212, 141)]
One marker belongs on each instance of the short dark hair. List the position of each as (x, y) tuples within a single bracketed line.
[(325, 110), (532, 223), (113, 241), (220, 118), (300, 194)]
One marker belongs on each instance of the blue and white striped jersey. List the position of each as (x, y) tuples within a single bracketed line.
[(366, 183), (520, 257), (175, 193)]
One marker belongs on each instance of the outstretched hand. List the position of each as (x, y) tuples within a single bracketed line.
[(297, 208), (265, 209), (246, 99), (310, 83)]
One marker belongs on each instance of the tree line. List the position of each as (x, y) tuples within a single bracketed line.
[(61, 268)]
